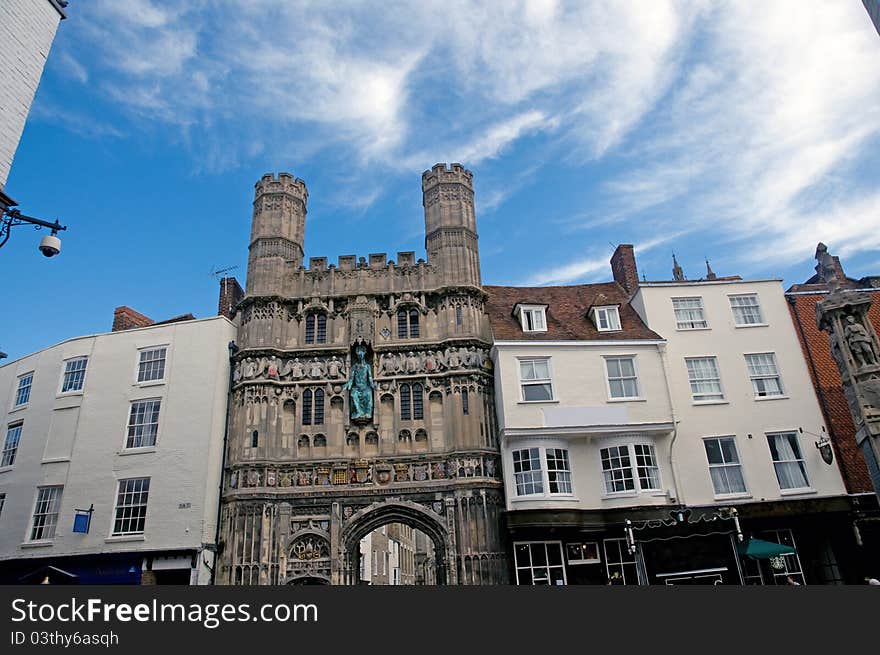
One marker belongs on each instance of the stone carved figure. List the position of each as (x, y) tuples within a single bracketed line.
[(272, 368), (335, 368), (412, 363), (430, 362), (825, 266), (249, 369), (297, 370), (316, 369), (859, 342), (236, 374), (360, 384)]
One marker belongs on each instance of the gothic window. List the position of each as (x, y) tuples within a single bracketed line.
[(313, 407), (458, 317), (372, 439), (405, 436), (307, 407), (408, 324), (465, 403), (421, 435), (411, 402), (304, 441), (316, 328), (353, 440), (255, 439), (320, 441)]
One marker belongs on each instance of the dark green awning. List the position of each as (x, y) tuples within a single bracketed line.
[(760, 549)]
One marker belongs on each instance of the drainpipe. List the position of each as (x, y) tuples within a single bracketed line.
[(232, 348), (679, 492)]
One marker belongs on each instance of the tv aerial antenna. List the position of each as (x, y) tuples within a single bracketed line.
[(217, 272)]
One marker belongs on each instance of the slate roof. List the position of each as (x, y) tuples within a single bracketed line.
[(567, 313)]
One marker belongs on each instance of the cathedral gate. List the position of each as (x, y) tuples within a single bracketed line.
[(362, 394)]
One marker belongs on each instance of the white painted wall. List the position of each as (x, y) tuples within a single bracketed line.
[(77, 440), (740, 414), (583, 418), (27, 29)]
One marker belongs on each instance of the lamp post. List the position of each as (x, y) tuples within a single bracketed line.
[(50, 245)]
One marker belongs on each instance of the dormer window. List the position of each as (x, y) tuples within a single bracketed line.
[(533, 318), (606, 319)]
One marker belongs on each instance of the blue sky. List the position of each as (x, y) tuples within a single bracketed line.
[(744, 132)]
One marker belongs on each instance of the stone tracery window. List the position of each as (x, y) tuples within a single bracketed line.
[(313, 407), (408, 324), (316, 327), (411, 402)]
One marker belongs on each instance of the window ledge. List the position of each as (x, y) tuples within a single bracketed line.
[(43, 543), (3, 469), (711, 402), (55, 460), (68, 394), (18, 408), (797, 492), (782, 396), (537, 402), (620, 494), (126, 537), (606, 331), (721, 497), (751, 325), (149, 383), (638, 399), (687, 329), (136, 451), (563, 498)]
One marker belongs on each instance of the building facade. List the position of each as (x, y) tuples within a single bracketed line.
[(362, 395), (27, 29), (873, 7), (802, 302), (111, 459), (661, 433)]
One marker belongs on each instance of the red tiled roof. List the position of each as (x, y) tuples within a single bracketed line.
[(567, 308)]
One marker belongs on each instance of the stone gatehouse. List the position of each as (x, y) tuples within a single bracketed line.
[(307, 473)]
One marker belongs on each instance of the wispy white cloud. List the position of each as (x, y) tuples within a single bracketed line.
[(719, 119)]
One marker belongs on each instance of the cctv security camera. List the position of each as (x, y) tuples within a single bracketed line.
[(50, 245)]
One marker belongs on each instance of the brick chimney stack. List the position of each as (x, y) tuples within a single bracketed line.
[(231, 294), (623, 267), (125, 318)]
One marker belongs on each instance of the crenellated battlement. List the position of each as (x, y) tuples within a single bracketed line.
[(453, 174), (283, 183), (375, 262)]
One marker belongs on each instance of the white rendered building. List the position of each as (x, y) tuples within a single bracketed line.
[(628, 461), (112, 454)]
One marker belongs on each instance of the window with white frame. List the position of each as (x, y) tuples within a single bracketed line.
[(746, 309), (607, 319), (527, 472), (23, 393), (533, 318), (725, 468), (764, 375), (534, 376), (131, 506), (74, 374), (630, 468), (151, 364), (143, 423), (539, 563), (620, 564), (46, 513), (558, 471), (2, 503), (538, 469), (704, 378), (583, 552), (791, 564), (689, 313), (10, 445), (791, 470), (622, 379)]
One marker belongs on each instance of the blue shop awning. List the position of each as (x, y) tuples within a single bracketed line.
[(760, 549)]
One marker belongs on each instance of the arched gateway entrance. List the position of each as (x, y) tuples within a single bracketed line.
[(373, 517)]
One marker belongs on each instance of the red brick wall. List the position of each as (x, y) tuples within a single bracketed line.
[(231, 294), (623, 267), (826, 380), (125, 318)]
